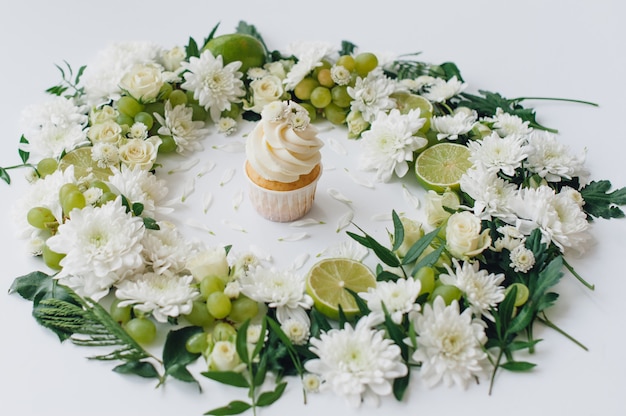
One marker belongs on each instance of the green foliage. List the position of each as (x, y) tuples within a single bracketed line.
[(347, 48), (601, 203), (175, 354), (69, 82)]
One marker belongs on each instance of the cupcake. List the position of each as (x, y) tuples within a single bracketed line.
[(283, 162)]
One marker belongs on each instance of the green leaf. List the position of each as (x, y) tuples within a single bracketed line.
[(360, 302), (400, 385), (428, 260), (601, 203), (150, 224), (233, 408), (241, 343), (451, 70), (259, 345), (140, 368), (175, 354), (319, 323), (230, 378), (137, 208), (518, 366), (347, 48), (398, 231), (191, 50), (30, 286), (269, 397), (419, 246), (261, 371), (522, 345), (23, 155), (359, 239), (4, 175), (386, 275)]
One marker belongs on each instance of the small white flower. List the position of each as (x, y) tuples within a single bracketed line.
[(522, 259), (264, 91), (437, 206), (511, 238), (371, 95), (340, 75), (143, 81), (139, 185), (106, 113), (224, 357), (227, 126), (506, 124), (105, 155), (92, 195), (440, 90), (139, 153), (449, 344), (138, 131), (106, 132), (164, 295), (214, 85), (296, 331), (390, 143), (179, 124), (311, 383), (256, 73), (452, 126), (498, 154), (359, 363), (397, 297), (172, 58)]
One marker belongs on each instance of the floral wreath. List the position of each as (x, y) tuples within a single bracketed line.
[(453, 299)]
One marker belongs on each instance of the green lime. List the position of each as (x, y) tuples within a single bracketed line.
[(238, 47), (83, 164), (442, 165), (328, 278), (406, 102)]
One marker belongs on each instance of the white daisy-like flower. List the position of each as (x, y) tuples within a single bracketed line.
[(163, 294), (390, 143), (102, 245), (309, 55), (552, 160), (522, 259), (449, 344), (227, 126), (371, 95), (215, 85), (397, 297), (358, 363), (165, 249), (480, 288), (340, 75), (452, 126), (498, 154), (92, 195), (179, 124), (139, 185), (138, 131), (105, 155), (440, 90), (511, 238), (311, 383), (296, 331), (506, 124), (491, 194), (280, 289)]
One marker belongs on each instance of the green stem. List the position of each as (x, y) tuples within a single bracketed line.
[(577, 276), (23, 165), (495, 369), (544, 320), (568, 100)]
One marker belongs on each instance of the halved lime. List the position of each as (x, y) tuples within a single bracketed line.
[(442, 165), (327, 280), (83, 164), (406, 102)]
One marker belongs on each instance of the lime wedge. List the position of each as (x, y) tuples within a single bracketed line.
[(84, 165), (327, 280), (442, 165)]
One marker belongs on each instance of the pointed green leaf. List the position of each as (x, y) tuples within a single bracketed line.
[(4, 175), (140, 368), (398, 231), (518, 366), (137, 208), (23, 154), (241, 343), (419, 246), (359, 239), (150, 224), (230, 378), (400, 385), (428, 260), (269, 397), (175, 354), (233, 408)]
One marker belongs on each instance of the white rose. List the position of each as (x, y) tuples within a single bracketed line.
[(224, 357), (356, 124), (265, 90), (139, 152), (412, 232), (463, 236), (143, 82), (210, 262), (277, 69), (172, 58), (106, 113), (106, 132), (435, 203)]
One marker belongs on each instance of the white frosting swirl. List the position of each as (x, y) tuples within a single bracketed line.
[(279, 153)]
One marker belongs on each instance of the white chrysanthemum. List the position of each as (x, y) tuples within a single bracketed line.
[(552, 160), (309, 55), (359, 363), (139, 185), (440, 90), (296, 331), (397, 297), (498, 154), (340, 75), (53, 127), (280, 289), (452, 126), (105, 154), (102, 77), (179, 124), (522, 259), (371, 95), (449, 344), (390, 143), (164, 295), (92, 195), (138, 131), (506, 124), (165, 249), (214, 84), (559, 217), (491, 194), (480, 288), (102, 245)]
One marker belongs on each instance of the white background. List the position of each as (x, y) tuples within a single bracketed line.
[(532, 48)]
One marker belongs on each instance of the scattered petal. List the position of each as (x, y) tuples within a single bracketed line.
[(410, 198), (381, 217), (206, 201), (294, 237), (196, 224), (206, 168), (306, 222), (359, 180), (336, 146), (345, 220), (237, 199), (335, 194), (227, 176), (261, 253), (234, 226), (231, 147), (300, 261), (183, 167), (190, 186)]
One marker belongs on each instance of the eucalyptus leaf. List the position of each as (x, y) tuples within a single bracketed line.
[(241, 342), (416, 250), (398, 231)]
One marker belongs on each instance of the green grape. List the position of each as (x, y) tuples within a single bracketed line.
[(223, 331), (324, 78), (129, 106), (335, 114), (340, 96), (199, 113), (46, 166), (211, 284), (142, 330), (66, 189), (199, 315), (124, 120), (218, 305), (190, 98), (324, 65), (234, 112), (100, 185), (155, 107), (177, 97), (165, 91), (106, 197), (347, 61), (51, 258), (311, 110), (305, 87), (74, 199), (121, 314), (320, 97), (364, 63), (197, 343), (168, 144), (243, 308), (145, 118), (426, 275), (40, 217), (447, 292)]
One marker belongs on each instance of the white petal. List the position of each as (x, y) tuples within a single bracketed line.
[(196, 224), (335, 194), (294, 237), (237, 199), (300, 261), (227, 176), (234, 226), (306, 222), (206, 168), (206, 201), (410, 198), (359, 180), (185, 166), (190, 186), (345, 220), (232, 147), (381, 217)]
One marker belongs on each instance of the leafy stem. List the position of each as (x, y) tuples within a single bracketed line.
[(567, 100), (544, 320), (577, 276)]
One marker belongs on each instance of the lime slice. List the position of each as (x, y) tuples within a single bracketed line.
[(327, 280), (442, 165), (238, 47), (83, 164), (406, 102)]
